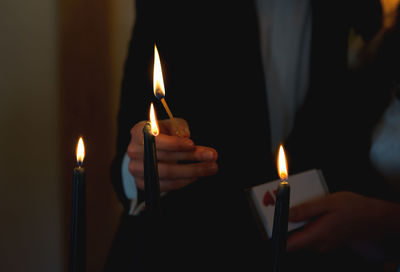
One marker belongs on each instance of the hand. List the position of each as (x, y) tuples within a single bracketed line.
[(171, 150), (338, 219)]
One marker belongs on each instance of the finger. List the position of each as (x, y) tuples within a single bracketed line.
[(167, 185), (301, 240), (176, 171), (165, 140), (186, 171), (169, 145), (177, 127), (171, 185), (136, 169), (312, 236), (309, 209), (139, 183), (173, 143), (137, 133), (200, 153), (135, 152)]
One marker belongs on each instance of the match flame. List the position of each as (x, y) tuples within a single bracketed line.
[(153, 121), (80, 151), (282, 164), (158, 81)]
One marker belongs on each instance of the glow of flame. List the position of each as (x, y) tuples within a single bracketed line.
[(282, 164), (389, 8), (158, 81), (153, 121), (80, 151)]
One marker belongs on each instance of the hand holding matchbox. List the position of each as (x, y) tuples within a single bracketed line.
[(304, 186)]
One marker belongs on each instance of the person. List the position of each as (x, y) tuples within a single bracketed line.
[(372, 224), (227, 66)]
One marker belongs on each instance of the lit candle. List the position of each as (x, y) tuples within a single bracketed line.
[(151, 182), (158, 86), (279, 231), (78, 221)]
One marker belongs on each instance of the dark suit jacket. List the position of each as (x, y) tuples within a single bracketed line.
[(214, 79)]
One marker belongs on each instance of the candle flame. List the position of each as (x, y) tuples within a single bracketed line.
[(80, 151), (153, 121), (282, 164), (158, 81)]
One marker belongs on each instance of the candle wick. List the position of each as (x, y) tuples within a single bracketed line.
[(147, 127)]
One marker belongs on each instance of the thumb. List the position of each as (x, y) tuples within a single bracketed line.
[(176, 127), (309, 209)]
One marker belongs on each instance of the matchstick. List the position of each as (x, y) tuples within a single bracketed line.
[(167, 109), (175, 124)]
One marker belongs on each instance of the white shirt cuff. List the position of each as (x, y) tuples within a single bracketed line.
[(129, 186), (130, 189)]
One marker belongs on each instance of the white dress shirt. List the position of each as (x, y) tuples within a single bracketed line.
[(285, 35), (385, 149)]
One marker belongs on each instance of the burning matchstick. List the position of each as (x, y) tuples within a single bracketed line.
[(159, 90)]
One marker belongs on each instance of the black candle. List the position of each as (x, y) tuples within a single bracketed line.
[(281, 214), (151, 181), (78, 215)]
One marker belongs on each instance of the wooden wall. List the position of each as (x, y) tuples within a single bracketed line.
[(93, 43)]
